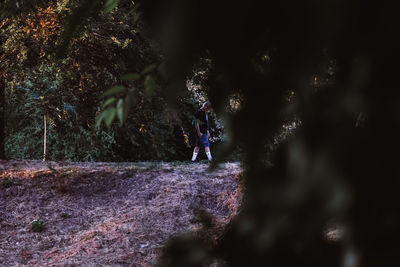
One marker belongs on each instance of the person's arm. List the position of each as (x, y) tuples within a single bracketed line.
[(208, 133), (196, 125)]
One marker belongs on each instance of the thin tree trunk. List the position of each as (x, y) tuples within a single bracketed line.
[(44, 137), (2, 119)]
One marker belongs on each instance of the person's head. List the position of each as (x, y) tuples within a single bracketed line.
[(206, 106)]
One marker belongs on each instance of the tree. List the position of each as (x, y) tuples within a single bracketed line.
[(2, 122), (106, 49)]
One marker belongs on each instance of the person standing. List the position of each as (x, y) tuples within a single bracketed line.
[(202, 131)]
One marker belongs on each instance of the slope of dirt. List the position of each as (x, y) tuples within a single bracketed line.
[(106, 214)]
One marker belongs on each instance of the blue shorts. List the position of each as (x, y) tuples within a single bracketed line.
[(203, 141)]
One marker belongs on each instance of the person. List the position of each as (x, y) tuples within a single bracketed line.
[(202, 131)]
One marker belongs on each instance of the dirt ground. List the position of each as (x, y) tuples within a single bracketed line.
[(106, 214)]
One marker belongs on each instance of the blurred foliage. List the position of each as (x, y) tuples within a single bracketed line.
[(326, 68)]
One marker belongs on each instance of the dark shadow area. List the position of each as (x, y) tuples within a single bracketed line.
[(337, 61)]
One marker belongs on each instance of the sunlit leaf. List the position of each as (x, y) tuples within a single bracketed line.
[(114, 90), (115, 40), (110, 5), (126, 42)]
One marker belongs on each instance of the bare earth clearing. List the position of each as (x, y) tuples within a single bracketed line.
[(106, 214)]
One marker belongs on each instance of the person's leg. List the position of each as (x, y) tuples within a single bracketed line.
[(208, 152), (196, 148), (195, 152)]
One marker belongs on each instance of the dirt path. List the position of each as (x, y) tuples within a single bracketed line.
[(105, 214)]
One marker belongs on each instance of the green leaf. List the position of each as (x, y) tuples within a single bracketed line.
[(130, 77), (109, 101), (37, 225), (150, 85), (110, 5), (120, 111), (149, 68), (109, 117), (99, 119), (114, 90)]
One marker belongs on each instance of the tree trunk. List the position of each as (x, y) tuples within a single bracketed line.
[(2, 119), (44, 137)]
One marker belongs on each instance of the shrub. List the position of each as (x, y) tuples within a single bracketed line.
[(37, 226)]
